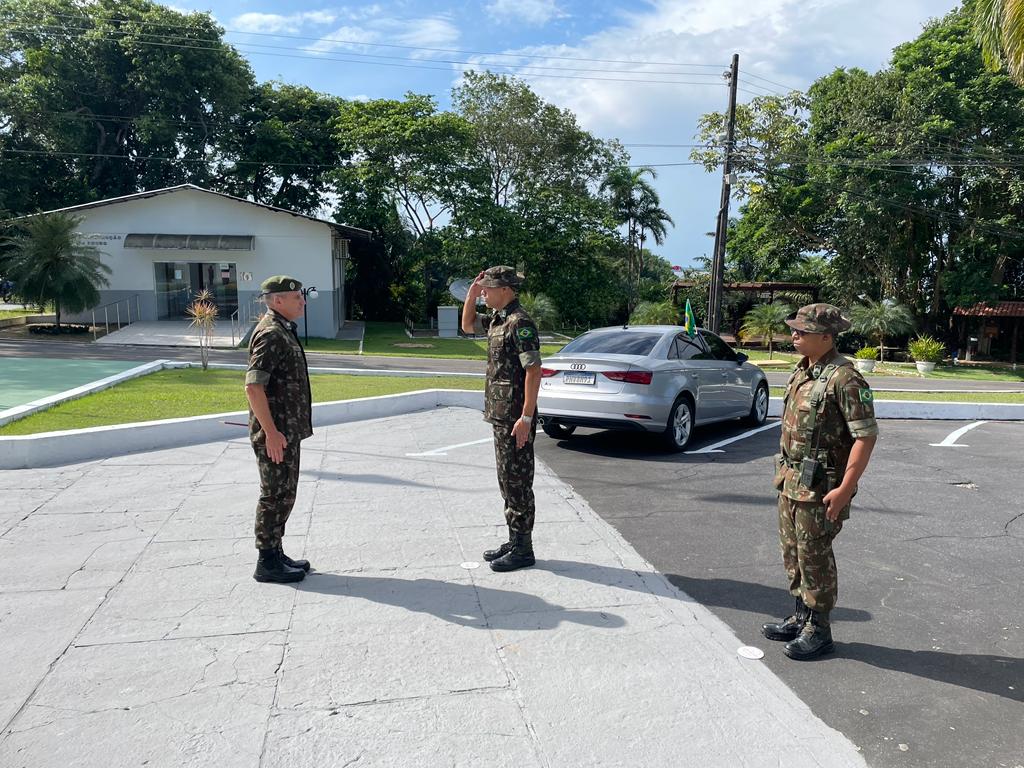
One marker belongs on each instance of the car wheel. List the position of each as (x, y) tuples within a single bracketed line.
[(680, 425), (558, 431), (759, 408)]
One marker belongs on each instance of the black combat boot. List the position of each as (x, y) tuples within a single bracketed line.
[(504, 549), (520, 556), (271, 568), (815, 639), (302, 565), (788, 628)]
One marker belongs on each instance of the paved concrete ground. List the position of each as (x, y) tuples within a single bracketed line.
[(929, 667), (171, 333), (134, 635), (23, 380)]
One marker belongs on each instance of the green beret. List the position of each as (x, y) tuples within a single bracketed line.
[(280, 284)]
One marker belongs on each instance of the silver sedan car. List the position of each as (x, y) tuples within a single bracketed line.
[(652, 378)]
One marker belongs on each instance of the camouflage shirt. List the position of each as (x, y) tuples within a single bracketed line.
[(513, 345), (278, 363), (848, 413)]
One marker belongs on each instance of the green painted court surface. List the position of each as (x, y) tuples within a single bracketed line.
[(24, 379)]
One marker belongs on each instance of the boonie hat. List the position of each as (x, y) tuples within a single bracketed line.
[(280, 284), (818, 318), (501, 277)]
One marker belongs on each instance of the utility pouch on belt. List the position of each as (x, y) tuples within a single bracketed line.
[(810, 472)]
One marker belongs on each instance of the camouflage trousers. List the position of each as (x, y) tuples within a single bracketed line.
[(279, 484), (515, 477), (806, 536)]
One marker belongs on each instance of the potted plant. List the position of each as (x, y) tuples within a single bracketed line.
[(864, 359), (926, 351)]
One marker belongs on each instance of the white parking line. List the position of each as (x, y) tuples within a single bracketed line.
[(951, 439), (714, 448), (443, 451)]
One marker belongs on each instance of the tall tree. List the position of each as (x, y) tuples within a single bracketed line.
[(91, 94), (49, 263)]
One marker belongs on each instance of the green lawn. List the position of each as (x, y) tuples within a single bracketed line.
[(962, 372), (193, 392), (389, 339), (6, 314), (942, 397)]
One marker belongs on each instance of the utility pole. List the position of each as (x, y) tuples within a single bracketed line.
[(714, 317)]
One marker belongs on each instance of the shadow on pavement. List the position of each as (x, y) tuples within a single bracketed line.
[(752, 597), (978, 671), (444, 599)]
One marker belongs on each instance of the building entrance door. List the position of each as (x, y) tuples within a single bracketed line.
[(179, 282)]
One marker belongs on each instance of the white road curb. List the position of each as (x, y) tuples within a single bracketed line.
[(934, 410), (50, 449)]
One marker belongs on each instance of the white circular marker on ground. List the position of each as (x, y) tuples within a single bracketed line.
[(750, 652), (470, 565)]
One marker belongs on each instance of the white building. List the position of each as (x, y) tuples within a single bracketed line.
[(166, 245)]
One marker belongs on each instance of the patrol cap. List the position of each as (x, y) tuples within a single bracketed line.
[(280, 284), (501, 277), (818, 318)]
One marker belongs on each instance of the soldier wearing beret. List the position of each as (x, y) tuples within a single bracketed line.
[(828, 433), (510, 404), (280, 417)]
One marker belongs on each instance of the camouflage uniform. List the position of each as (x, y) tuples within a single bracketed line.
[(805, 534), (513, 345), (278, 363)]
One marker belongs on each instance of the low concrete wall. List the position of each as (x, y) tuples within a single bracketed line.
[(50, 449), (27, 320)]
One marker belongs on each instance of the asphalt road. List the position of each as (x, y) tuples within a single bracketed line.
[(85, 350), (929, 668)]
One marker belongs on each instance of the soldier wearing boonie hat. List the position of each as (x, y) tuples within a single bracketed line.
[(510, 404), (828, 433), (280, 417)]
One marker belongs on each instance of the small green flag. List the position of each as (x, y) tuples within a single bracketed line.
[(690, 322)]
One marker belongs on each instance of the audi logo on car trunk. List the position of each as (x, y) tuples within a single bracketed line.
[(578, 367)]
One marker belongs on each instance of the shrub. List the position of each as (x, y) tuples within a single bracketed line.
[(866, 353), (925, 349)]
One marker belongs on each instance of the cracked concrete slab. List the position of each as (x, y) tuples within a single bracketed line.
[(391, 652)]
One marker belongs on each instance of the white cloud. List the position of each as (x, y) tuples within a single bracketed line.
[(535, 12), (430, 32), (344, 39), (274, 23)]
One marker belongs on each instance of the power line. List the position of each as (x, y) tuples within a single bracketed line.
[(395, 45)]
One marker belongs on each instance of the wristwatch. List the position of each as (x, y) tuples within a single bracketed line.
[(526, 418)]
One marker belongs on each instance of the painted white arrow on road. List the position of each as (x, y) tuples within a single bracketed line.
[(952, 437)]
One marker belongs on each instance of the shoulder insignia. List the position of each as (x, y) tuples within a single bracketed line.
[(866, 395), (526, 332)]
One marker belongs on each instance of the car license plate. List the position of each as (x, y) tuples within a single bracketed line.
[(579, 378)]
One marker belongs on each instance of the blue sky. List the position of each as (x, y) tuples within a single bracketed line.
[(386, 48)]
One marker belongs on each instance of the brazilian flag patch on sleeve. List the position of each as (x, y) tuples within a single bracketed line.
[(866, 395), (526, 333)]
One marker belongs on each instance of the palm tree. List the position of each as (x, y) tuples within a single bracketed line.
[(766, 320), (635, 204), (878, 319), (541, 308), (203, 311), (655, 313), (50, 264), (999, 27)]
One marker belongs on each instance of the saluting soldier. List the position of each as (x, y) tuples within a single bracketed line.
[(828, 433), (510, 404), (280, 417)]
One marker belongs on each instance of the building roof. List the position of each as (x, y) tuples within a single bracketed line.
[(755, 286), (344, 229), (992, 309)]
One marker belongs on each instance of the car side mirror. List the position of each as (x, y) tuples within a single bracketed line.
[(741, 358)]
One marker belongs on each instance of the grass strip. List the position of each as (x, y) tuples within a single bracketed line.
[(195, 392), (939, 397)]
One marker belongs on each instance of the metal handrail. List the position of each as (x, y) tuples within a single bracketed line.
[(117, 308), (243, 316)]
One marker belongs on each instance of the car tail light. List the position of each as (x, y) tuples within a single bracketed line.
[(629, 377), (546, 372)]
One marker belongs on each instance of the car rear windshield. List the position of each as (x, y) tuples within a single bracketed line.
[(622, 343)]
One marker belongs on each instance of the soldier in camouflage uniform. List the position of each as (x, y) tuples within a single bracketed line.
[(280, 417), (510, 402), (828, 433)]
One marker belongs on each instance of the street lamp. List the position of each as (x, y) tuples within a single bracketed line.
[(307, 294)]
